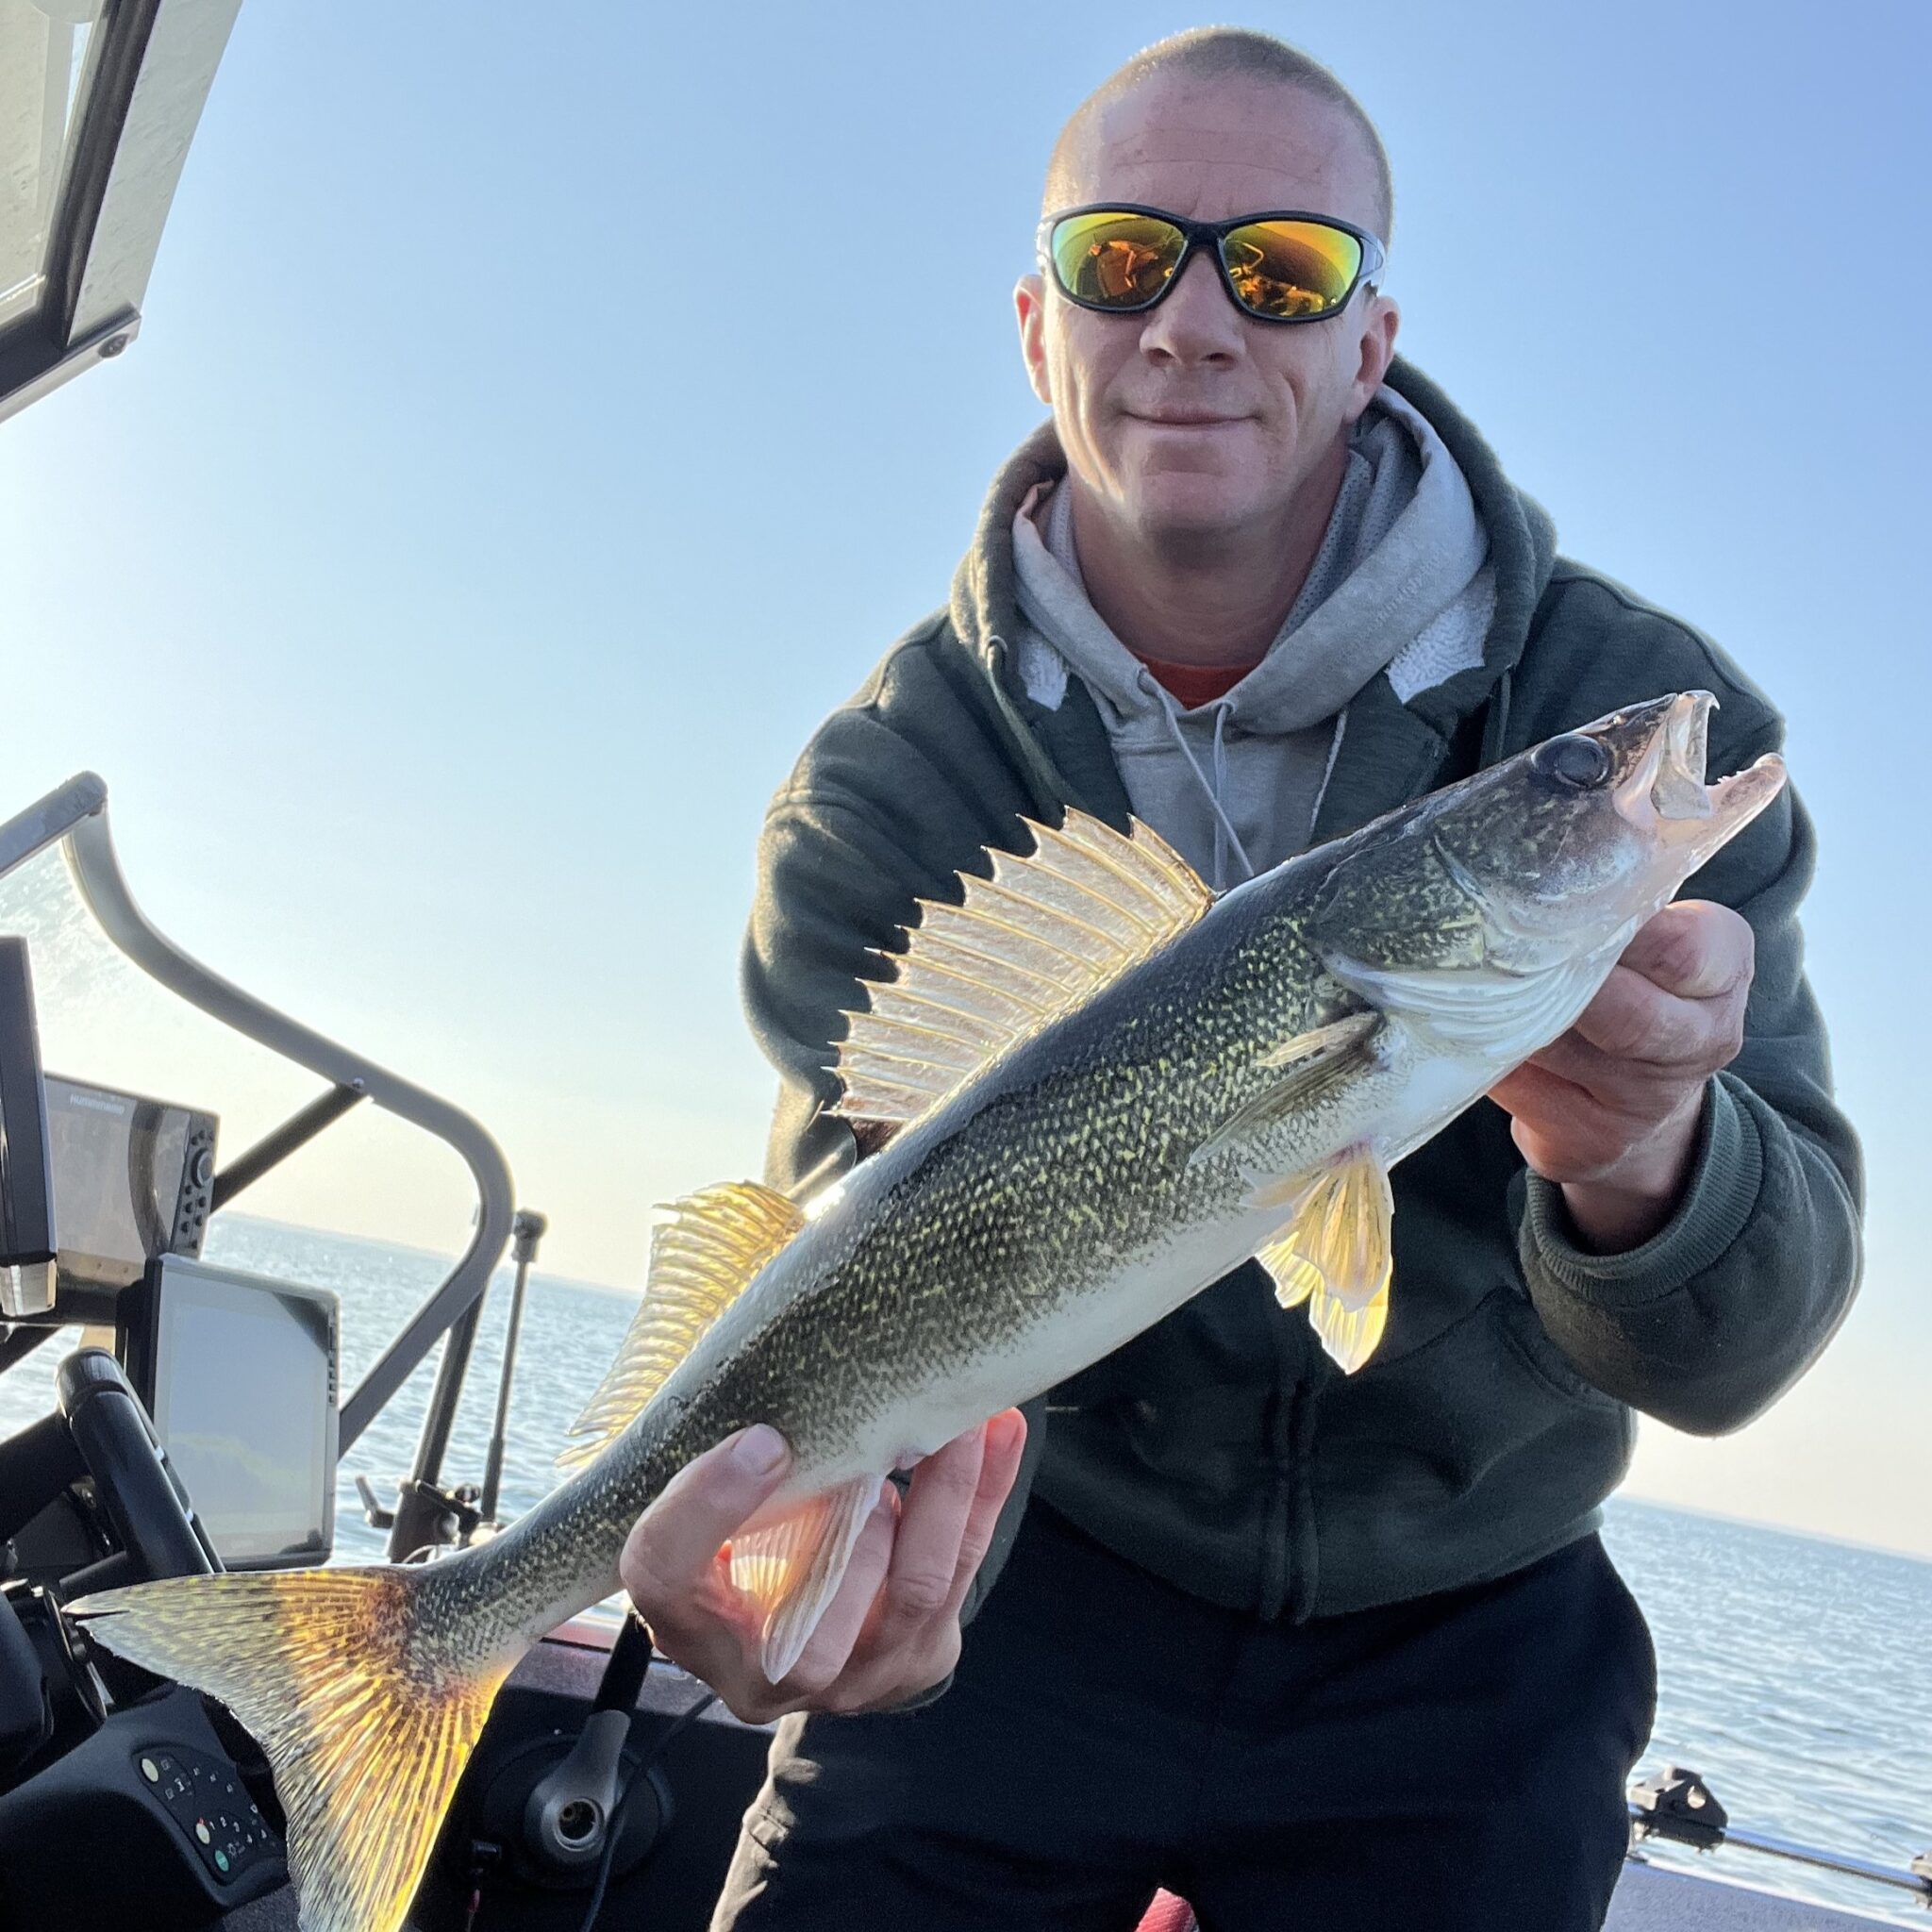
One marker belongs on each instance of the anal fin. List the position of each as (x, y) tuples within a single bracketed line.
[(792, 1568), (1335, 1252)]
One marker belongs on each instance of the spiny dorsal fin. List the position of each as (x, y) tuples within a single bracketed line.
[(1040, 938), (704, 1252)]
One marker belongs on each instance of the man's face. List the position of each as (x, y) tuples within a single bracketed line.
[(1191, 425)]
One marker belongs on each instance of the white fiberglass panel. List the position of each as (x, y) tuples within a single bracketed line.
[(44, 48)]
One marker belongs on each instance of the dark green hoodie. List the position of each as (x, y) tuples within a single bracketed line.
[(1222, 1450)]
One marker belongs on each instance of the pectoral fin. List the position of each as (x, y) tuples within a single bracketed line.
[(1303, 1068), (792, 1568), (1335, 1253)]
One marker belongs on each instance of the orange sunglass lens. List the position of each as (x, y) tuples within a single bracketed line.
[(1284, 269), (1115, 260)]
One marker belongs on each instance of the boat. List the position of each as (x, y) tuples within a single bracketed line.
[(607, 1789)]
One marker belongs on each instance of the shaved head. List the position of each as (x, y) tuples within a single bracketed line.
[(1209, 54)]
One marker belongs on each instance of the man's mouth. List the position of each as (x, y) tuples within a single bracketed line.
[(1184, 419)]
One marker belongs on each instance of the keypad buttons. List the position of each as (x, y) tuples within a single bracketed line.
[(212, 1807)]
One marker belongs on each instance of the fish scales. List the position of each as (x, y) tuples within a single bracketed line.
[(1037, 1187)]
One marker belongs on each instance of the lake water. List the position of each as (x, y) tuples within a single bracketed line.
[(1795, 1674)]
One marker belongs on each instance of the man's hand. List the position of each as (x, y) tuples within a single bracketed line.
[(1611, 1110), (894, 1628)]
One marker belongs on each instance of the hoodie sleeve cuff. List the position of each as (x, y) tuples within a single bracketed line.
[(1726, 1177)]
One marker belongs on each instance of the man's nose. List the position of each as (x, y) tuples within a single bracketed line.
[(1195, 323)]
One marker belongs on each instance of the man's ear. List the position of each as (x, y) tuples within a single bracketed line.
[(1029, 305), (1380, 321)]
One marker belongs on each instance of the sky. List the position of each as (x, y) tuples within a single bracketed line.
[(536, 429)]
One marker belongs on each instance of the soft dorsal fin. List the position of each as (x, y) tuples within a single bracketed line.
[(1040, 938), (703, 1254)]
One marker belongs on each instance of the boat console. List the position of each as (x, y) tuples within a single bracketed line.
[(198, 1428), (101, 1195)]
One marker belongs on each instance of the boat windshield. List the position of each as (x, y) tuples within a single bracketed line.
[(44, 70), (104, 1022), (121, 1009)]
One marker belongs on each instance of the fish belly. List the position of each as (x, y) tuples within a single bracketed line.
[(915, 1418)]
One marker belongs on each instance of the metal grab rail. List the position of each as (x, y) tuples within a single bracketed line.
[(77, 813), (1679, 1807), (1920, 1885)]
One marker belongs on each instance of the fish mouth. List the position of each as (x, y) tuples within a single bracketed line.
[(1665, 793)]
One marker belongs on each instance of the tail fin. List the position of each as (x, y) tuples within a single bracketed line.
[(366, 1721)]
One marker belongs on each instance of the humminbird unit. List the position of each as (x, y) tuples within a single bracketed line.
[(238, 1374), (27, 1198), (133, 1180)]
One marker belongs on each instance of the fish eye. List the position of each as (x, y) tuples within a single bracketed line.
[(1575, 760)]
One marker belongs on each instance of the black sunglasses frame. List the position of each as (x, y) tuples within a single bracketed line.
[(1209, 235)]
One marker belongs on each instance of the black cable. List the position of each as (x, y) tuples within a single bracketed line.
[(614, 1830)]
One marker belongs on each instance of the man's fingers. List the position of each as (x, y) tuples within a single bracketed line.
[(891, 1626), (895, 1658), (671, 1550), (1006, 1442), (1695, 949), (829, 1648), (937, 1503), (1535, 1092), (1635, 1022), (1545, 1112)]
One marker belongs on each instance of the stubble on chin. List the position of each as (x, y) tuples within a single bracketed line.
[(1190, 513)]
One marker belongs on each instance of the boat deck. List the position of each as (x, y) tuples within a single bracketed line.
[(1651, 1899)]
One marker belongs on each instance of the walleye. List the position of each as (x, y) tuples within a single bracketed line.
[(1106, 1090)]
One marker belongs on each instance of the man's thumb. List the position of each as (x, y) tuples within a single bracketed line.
[(704, 1504)]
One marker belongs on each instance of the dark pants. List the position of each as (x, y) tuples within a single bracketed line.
[(1456, 1761)]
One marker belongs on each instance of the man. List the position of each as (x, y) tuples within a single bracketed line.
[(1309, 1649)]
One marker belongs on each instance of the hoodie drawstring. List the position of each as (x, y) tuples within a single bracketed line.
[(1225, 837), (1224, 829), (1328, 772)]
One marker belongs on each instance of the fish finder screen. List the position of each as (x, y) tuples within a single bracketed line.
[(117, 1170), (244, 1400)]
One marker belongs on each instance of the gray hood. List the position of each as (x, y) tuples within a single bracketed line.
[(1400, 584)]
